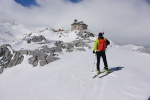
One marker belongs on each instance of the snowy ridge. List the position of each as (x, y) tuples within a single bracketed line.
[(11, 31), (134, 48), (70, 78)]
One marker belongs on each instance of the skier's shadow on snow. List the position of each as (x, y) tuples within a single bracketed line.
[(116, 68)]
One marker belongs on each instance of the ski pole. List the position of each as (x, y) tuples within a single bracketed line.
[(94, 63)]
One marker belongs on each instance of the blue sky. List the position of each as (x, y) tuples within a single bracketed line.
[(28, 3), (148, 1)]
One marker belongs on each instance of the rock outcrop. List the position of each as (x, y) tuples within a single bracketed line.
[(34, 38), (146, 50), (41, 57)]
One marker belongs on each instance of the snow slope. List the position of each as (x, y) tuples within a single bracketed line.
[(70, 78)]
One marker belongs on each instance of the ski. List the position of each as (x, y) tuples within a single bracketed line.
[(111, 70), (117, 68), (105, 74), (97, 75)]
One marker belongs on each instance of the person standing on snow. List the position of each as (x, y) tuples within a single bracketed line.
[(99, 48)]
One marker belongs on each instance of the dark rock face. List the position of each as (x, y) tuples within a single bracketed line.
[(1, 70), (9, 57), (38, 38), (30, 38), (84, 34)]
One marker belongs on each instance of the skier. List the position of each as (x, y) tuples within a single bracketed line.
[(99, 48)]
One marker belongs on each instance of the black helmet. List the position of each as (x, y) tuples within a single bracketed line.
[(100, 34)]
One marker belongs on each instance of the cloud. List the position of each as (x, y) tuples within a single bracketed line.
[(123, 21)]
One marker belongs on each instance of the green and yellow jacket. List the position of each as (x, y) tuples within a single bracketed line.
[(96, 43)]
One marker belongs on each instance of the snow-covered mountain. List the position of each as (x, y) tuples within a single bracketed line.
[(70, 78), (11, 31)]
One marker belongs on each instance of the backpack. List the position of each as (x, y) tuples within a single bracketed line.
[(102, 44)]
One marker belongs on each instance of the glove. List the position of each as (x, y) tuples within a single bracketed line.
[(94, 52)]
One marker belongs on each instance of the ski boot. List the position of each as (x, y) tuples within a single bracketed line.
[(107, 71), (98, 72)]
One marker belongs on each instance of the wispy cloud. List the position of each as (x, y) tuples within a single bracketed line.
[(123, 21)]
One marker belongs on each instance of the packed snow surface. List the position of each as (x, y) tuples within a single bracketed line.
[(70, 78)]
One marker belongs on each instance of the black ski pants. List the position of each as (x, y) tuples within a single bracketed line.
[(103, 55)]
